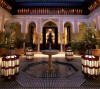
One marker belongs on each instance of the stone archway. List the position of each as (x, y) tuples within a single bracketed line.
[(31, 37), (67, 33), (46, 29)]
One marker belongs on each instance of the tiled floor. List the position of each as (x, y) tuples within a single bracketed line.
[(33, 75)]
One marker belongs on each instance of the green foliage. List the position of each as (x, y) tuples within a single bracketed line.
[(89, 36), (74, 45), (98, 43), (10, 32), (3, 43), (11, 27), (81, 47), (78, 46), (2, 37), (9, 37), (88, 40), (19, 43)]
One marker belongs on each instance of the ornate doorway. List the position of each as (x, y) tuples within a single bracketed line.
[(67, 33), (32, 36), (49, 28)]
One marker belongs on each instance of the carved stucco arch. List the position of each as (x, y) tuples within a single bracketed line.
[(70, 23), (82, 23), (30, 23), (50, 21)]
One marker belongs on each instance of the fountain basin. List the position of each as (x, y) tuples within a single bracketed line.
[(50, 52)]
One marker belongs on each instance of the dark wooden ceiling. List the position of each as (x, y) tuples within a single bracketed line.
[(69, 4)]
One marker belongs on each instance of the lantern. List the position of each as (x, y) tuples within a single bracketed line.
[(10, 66), (29, 54), (90, 65), (69, 54)]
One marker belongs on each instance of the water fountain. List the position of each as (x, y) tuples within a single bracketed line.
[(50, 52)]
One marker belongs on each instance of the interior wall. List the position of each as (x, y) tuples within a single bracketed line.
[(4, 15), (66, 25), (0, 23), (31, 33), (25, 19)]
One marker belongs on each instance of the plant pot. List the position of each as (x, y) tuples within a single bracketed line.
[(96, 52), (3, 51), (19, 51), (76, 52)]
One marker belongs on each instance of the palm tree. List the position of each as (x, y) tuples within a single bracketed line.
[(11, 32)]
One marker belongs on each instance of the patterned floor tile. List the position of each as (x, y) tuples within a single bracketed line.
[(45, 81)]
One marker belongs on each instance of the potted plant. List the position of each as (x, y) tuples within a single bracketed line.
[(74, 46), (10, 32), (89, 38), (3, 50)]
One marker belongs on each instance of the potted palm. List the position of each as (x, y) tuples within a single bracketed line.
[(9, 36), (74, 46), (12, 38), (3, 50), (89, 38), (11, 29)]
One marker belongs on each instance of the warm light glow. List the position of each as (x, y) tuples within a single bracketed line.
[(0, 63), (48, 11), (50, 30)]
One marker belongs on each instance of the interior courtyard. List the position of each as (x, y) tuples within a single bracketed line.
[(49, 44)]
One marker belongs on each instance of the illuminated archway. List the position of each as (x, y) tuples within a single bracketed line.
[(31, 37), (67, 33), (49, 27)]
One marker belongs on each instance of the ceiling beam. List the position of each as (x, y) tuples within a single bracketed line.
[(50, 4)]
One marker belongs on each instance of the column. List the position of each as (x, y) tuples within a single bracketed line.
[(24, 27), (39, 27), (24, 32), (24, 40), (39, 41), (75, 27), (97, 21), (61, 32), (61, 48)]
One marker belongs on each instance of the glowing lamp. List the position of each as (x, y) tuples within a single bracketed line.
[(9, 66), (69, 53), (29, 54), (90, 65)]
